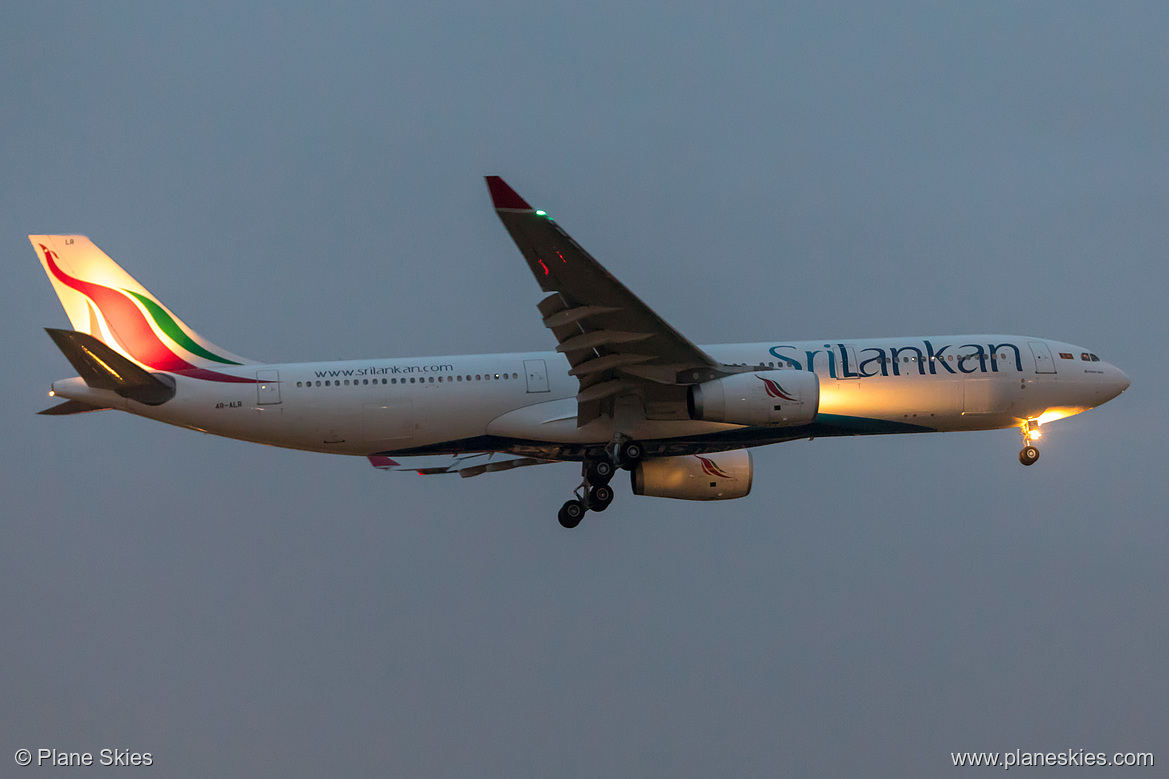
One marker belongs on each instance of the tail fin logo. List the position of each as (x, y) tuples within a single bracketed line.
[(774, 390), (129, 325), (710, 469)]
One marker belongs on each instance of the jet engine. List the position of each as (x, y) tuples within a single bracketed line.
[(757, 398), (720, 476)]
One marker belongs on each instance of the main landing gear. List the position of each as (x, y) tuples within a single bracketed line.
[(594, 492), (1030, 452)]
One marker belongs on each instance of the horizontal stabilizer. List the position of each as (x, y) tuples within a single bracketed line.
[(71, 407), (103, 368)]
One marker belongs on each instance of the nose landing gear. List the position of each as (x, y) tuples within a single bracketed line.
[(1030, 452)]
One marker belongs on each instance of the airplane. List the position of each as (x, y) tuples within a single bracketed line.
[(623, 389)]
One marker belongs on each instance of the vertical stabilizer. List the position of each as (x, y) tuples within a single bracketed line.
[(104, 301)]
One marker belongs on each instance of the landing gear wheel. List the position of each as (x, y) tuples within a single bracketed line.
[(1029, 455), (600, 472), (571, 514), (630, 454), (600, 497)]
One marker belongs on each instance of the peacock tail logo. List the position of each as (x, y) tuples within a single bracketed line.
[(128, 324), (710, 469), (774, 390)]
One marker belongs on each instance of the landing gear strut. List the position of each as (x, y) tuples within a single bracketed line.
[(1030, 452), (594, 492)]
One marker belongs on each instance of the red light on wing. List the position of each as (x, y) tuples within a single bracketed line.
[(545, 267)]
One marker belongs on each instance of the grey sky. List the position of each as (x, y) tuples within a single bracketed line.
[(306, 183)]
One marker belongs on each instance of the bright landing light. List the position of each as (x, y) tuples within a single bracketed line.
[(1053, 414)]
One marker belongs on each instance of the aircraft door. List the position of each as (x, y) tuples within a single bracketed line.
[(1043, 361), (537, 374), (267, 387), (388, 420)]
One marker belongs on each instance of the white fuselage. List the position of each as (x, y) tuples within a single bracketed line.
[(526, 402)]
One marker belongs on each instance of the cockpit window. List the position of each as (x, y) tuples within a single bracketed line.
[(1086, 357), (1066, 356), (1095, 358)]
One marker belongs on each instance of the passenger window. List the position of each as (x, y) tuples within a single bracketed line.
[(1066, 356)]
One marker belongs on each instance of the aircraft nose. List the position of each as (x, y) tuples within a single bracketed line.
[(1117, 380)]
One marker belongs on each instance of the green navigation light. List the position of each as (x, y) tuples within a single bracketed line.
[(541, 213)]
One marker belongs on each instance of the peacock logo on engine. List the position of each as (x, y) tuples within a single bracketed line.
[(710, 469), (774, 390)]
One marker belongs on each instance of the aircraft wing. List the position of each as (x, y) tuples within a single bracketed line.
[(615, 343), (465, 465)]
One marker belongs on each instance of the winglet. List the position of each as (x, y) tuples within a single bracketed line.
[(503, 196)]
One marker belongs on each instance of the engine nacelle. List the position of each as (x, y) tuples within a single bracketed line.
[(758, 398), (720, 476)]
